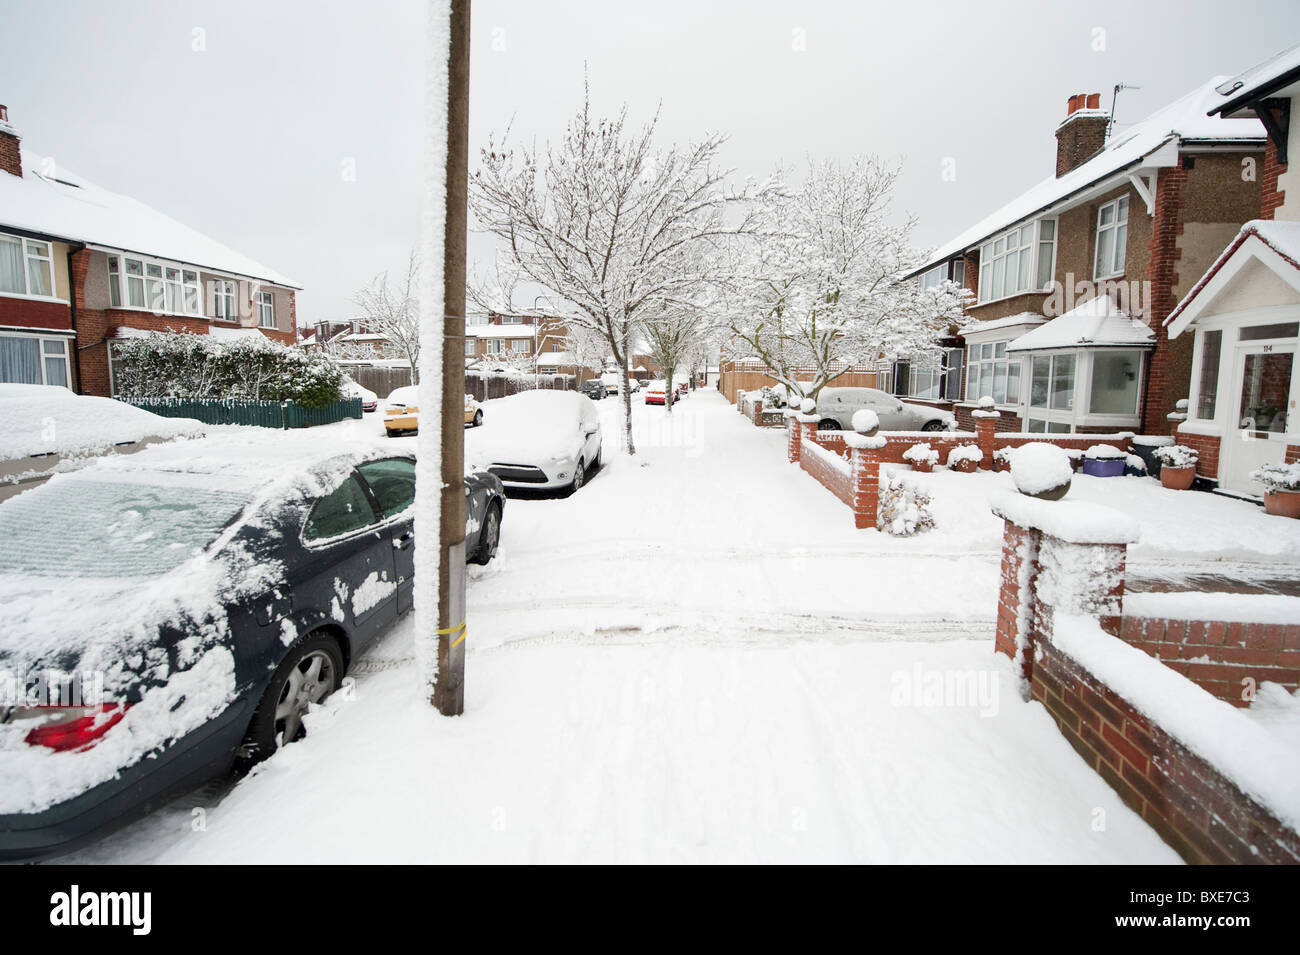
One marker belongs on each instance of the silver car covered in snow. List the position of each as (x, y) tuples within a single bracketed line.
[(836, 407)]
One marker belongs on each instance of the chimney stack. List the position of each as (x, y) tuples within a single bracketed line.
[(11, 157), (1082, 133)]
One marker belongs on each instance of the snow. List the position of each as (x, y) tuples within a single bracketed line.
[(921, 452), (531, 427), (1152, 440), (1036, 468), (49, 419), (964, 452), (70, 207), (865, 442), (864, 420), (1074, 521), (1185, 118), (1195, 605), (1256, 760), (827, 457), (1098, 322), (1259, 79), (977, 328), (1103, 452), (371, 592)]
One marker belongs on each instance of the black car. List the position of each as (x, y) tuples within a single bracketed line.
[(204, 605), (592, 388)]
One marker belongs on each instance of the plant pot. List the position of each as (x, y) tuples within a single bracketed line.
[(1283, 503), (1000, 465), (1103, 467), (965, 466), (1177, 479), (1052, 493), (924, 467)]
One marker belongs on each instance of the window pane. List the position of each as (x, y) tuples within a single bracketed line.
[(56, 372), (1013, 381), (986, 282), (1057, 427), (345, 510), (1042, 368), (20, 360), (38, 277), (999, 273), (972, 382), (1046, 229), (153, 271), (1254, 333), (1000, 350), (135, 291), (986, 350), (52, 346), (1107, 215), (1265, 392), (1063, 382), (1114, 382), (1207, 394), (1105, 252), (1000, 382), (393, 483), (1026, 264), (1012, 241), (986, 379), (1122, 215), (1044, 265), (1037, 426), (999, 247), (1121, 247), (11, 266)]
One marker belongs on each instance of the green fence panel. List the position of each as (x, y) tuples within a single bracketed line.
[(257, 414)]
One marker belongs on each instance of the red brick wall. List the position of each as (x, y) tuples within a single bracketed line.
[(1206, 447), (1019, 556), (1163, 255), (836, 480), (1192, 806), (28, 313), (1217, 656), (1008, 421), (1270, 197), (11, 160)]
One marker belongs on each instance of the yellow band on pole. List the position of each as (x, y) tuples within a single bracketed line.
[(460, 629)]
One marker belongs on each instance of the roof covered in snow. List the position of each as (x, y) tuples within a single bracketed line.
[(1277, 75), (1010, 321), (1183, 120), (65, 206), (1097, 323)]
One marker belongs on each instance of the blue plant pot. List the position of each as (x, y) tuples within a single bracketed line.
[(1103, 467)]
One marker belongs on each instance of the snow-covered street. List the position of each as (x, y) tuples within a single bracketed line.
[(656, 674)]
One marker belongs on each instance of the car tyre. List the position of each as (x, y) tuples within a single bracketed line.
[(579, 476), (828, 424), (490, 535), (309, 673), (934, 426), (478, 418)]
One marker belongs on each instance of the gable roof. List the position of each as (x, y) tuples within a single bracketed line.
[(1097, 323), (66, 206), (1281, 238), (1262, 80), (1184, 120)]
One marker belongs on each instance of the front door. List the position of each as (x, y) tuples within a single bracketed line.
[(1263, 407)]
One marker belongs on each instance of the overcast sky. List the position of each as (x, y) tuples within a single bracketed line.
[(249, 138)]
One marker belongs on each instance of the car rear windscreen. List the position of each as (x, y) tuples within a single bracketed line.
[(89, 528)]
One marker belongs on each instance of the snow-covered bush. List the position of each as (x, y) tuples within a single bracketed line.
[(1040, 469), (1278, 477), (1104, 452), (808, 406), (921, 454), (1002, 459), (1135, 464), (865, 421), (963, 453), (904, 508), (185, 365), (1176, 456)]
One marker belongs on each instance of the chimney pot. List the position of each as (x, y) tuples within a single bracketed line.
[(4, 114), (11, 156), (1094, 101)]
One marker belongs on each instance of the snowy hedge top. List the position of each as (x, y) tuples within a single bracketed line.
[(1104, 452), (49, 419), (1176, 456), (1036, 468)]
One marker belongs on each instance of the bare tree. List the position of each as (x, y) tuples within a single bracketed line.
[(675, 333), (606, 223), (390, 309)]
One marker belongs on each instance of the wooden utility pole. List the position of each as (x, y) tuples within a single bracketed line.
[(449, 689)]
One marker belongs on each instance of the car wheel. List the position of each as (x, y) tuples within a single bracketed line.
[(309, 672), (933, 426), (579, 475), (391, 432), (489, 536), (478, 418), (828, 424)]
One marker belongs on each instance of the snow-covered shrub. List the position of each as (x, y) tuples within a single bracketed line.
[(1002, 459), (965, 457), (865, 421), (185, 365), (921, 454), (904, 508), (1104, 452), (1176, 456), (1040, 469), (1135, 464), (808, 406), (1278, 477)]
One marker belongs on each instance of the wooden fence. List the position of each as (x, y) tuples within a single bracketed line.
[(258, 414)]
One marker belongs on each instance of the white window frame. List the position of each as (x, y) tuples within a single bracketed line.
[(225, 303), (27, 255), (512, 320), (188, 294), (493, 346), (520, 346), (1117, 227), (265, 309), (990, 258), (993, 354), (42, 341), (471, 348)]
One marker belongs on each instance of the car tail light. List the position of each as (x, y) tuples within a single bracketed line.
[(74, 728)]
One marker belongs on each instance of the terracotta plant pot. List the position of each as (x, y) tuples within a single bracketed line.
[(1177, 479), (1283, 503), (1052, 493), (965, 466), (1000, 465), (925, 467)]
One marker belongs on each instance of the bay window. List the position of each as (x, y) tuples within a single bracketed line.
[(165, 288), (519, 346), (32, 360), (930, 378), (991, 373), (1114, 382), (26, 267), (1051, 383), (1018, 261), (1112, 239)]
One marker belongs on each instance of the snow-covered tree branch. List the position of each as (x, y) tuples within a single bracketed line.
[(390, 309)]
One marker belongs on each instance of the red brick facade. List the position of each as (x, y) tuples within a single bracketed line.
[(1206, 447), (1163, 256), (1270, 197), (32, 313)]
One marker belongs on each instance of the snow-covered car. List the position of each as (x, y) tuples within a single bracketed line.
[(211, 599), (593, 388), (656, 392), (45, 429), (369, 400), (473, 412), (836, 407), (402, 411), (539, 439)]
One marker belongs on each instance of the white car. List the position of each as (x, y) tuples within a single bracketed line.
[(835, 408), (369, 400), (538, 439)]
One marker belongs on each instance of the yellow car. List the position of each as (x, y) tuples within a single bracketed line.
[(402, 416)]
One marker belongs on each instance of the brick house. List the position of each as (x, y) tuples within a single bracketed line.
[(1134, 214), (538, 341), (81, 266), (1242, 315)]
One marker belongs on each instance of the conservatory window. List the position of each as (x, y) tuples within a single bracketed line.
[(989, 372), (1207, 394), (934, 277), (265, 310), (1052, 382), (1018, 261), (1112, 239), (1115, 382)]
